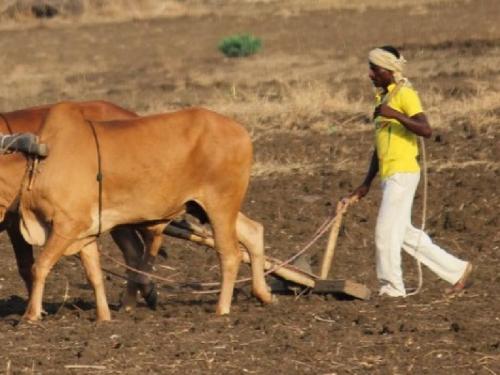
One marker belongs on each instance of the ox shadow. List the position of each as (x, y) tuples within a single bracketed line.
[(13, 308), (14, 305)]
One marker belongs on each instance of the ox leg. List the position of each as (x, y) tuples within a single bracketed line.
[(132, 248), (226, 244), (51, 253), (89, 256), (23, 252), (251, 235), (153, 238)]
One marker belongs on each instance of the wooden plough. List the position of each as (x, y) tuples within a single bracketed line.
[(291, 274)]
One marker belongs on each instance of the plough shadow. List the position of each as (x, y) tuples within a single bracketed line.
[(288, 288), (298, 290)]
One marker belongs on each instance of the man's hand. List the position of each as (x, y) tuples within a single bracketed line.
[(386, 111), (361, 191), (417, 124)]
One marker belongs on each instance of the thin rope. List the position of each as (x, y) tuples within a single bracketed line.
[(5, 147), (424, 218), (126, 266), (319, 232), (6, 123), (99, 177)]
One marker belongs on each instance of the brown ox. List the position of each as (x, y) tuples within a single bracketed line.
[(30, 120), (151, 168)]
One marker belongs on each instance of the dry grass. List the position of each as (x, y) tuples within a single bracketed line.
[(301, 107), (306, 105), (268, 93), (415, 7), (269, 167), (18, 13), (441, 165), (479, 111)]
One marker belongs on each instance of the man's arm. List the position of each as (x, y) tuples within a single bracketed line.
[(417, 124), (364, 188)]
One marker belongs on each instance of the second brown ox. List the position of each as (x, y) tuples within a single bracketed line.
[(151, 168), (31, 120)]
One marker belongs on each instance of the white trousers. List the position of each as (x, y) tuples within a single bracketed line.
[(394, 232)]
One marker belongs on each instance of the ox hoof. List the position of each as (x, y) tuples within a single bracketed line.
[(150, 295), (265, 298), (28, 324), (221, 312), (104, 318), (128, 302), (274, 299), (271, 299), (29, 319)]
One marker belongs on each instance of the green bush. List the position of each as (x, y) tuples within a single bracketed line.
[(240, 45)]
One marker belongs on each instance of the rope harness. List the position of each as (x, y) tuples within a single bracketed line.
[(6, 142), (423, 220), (27, 144), (34, 151), (9, 129), (99, 177), (322, 229)]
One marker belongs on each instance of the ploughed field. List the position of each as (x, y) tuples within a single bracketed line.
[(306, 99)]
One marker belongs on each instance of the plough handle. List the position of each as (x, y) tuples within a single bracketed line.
[(342, 206)]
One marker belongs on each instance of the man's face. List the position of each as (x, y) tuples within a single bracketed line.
[(380, 77)]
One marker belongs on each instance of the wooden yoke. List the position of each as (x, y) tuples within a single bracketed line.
[(342, 206), (195, 233)]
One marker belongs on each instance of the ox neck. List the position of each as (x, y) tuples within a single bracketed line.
[(12, 171)]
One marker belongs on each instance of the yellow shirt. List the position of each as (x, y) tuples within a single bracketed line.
[(397, 148)]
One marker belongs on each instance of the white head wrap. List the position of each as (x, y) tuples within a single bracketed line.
[(387, 60)]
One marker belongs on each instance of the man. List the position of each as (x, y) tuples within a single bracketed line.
[(399, 119)]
